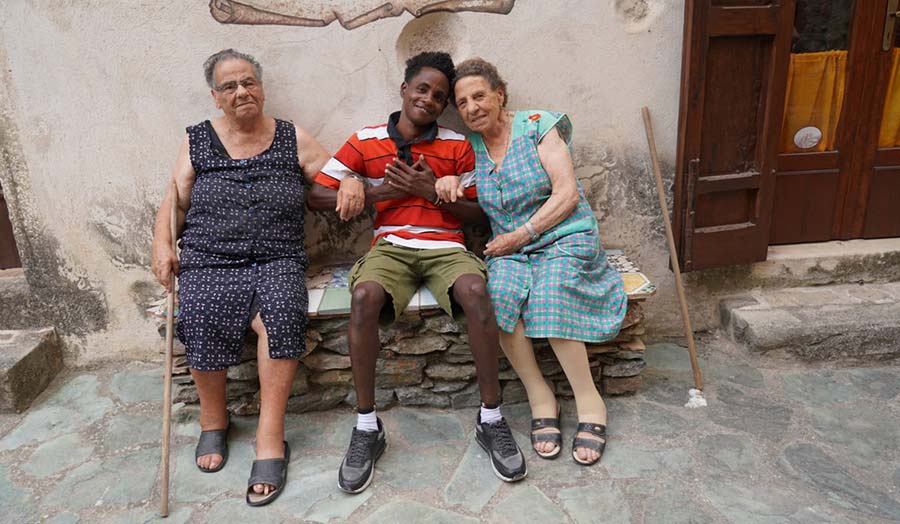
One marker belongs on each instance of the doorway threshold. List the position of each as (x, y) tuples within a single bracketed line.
[(12, 273), (835, 248), (834, 262)]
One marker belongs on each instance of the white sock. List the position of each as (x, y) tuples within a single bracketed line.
[(490, 415), (367, 421)]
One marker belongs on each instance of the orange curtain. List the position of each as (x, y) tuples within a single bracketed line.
[(889, 136), (815, 94)]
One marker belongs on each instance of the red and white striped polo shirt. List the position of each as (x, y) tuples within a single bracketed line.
[(410, 221)]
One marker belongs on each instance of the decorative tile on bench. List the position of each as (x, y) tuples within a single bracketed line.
[(329, 296)]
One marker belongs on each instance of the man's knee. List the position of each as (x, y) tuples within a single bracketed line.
[(366, 302), (470, 291)]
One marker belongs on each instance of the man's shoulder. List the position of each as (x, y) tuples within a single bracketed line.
[(377, 132), (445, 133)]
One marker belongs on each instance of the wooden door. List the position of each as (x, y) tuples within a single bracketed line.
[(735, 59), (9, 255), (881, 161), (834, 181)]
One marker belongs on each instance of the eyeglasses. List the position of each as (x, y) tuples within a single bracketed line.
[(229, 88)]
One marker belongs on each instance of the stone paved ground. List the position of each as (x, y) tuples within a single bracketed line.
[(779, 442)]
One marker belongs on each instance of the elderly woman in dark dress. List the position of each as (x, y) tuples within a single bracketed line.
[(240, 213)]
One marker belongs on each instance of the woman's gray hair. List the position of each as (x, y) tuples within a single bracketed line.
[(478, 66), (209, 67)]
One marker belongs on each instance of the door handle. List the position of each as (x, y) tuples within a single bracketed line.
[(890, 21)]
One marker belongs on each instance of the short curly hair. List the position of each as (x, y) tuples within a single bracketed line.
[(434, 59), (478, 66), (209, 66)]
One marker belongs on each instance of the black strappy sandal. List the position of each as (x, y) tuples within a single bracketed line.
[(599, 431), (268, 471), (556, 438), (213, 442)]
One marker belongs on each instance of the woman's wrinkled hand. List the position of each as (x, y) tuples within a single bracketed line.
[(507, 243), (351, 198), (164, 263), (449, 188)]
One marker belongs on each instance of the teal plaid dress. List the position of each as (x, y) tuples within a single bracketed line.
[(561, 284)]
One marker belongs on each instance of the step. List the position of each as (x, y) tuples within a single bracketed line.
[(834, 322), (29, 359), (17, 310), (835, 262)]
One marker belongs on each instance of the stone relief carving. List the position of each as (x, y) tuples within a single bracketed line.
[(349, 13)]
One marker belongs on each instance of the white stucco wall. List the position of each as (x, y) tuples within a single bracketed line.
[(96, 96)]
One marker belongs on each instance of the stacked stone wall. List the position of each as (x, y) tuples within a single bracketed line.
[(425, 360)]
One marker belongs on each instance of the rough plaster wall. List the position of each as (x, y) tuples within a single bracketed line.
[(97, 95)]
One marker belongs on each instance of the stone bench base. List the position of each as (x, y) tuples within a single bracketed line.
[(425, 361), (425, 358)]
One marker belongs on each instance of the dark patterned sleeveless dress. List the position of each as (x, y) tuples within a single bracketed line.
[(242, 250)]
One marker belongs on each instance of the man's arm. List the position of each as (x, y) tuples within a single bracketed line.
[(323, 198), (419, 180)]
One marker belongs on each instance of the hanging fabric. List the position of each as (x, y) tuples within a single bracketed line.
[(889, 136), (815, 95)]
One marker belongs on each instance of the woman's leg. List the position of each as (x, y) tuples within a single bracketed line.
[(275, 379), (519, 351), (211, 389), (572, 357)]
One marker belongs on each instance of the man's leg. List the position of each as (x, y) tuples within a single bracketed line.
[(368, 440), (213, 416), (470, 292), (362, 337), (275, 379), (491, 431)]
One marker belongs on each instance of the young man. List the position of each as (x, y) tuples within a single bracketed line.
[(417, 239)]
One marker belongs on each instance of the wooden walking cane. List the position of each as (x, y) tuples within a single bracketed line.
[(695, 397), (167, 379)]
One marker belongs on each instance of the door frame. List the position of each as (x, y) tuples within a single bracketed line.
[(9, 253)]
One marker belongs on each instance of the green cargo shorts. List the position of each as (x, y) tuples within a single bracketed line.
[(401, 270)]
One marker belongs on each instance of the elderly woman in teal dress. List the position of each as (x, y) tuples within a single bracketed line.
[(547, 273)]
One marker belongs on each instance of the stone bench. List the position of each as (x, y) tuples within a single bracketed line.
[(425, 357)]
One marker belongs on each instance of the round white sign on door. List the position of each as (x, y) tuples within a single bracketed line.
[(807, 137)]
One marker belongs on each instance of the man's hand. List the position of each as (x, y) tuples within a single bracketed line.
[(164, 263), (417, 179), (507, 243), (448, 188), (351, 198)]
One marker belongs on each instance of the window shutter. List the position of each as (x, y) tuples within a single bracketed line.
[(733, 79)]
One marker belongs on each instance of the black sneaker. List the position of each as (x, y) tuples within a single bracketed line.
[(506, 457), (358, 466)]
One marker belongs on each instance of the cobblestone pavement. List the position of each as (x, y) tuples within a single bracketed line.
[(781, 441)]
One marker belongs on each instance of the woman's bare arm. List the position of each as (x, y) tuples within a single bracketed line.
[(557, 162), (164, 261)]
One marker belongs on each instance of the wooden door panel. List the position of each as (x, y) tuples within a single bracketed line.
[(739, 3), (860, 180), (728, 208), (809, 161), (734, 66), (806, 195), (733, 98), (883, 207), (888, 156), (880, 187), (9, 255), (804, 204)]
